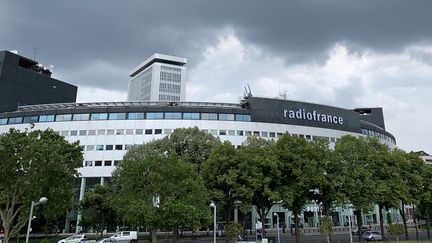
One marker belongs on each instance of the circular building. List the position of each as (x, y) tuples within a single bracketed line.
[(106, 130)]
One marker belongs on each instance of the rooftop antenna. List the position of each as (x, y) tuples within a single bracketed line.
[(248, 92)]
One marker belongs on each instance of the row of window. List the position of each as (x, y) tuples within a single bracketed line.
[(126, 116), (88, 163), (172, 77), (169, 88), (157, 131), (163, 97), (107, 147), (169, 68), (378, 135)]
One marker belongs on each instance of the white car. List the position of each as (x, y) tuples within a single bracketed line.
[(73, 239), (108, 240), (126, 236)]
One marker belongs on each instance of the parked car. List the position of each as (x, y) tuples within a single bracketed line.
[(126, 236), (108, 240), (74, 239), (372, 236), (355, 231)]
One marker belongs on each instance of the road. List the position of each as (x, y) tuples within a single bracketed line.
[(288, 238)]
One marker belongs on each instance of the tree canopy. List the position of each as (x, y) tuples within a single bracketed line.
[(35, 163)]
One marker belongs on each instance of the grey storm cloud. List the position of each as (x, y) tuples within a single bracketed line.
[(74, 35)]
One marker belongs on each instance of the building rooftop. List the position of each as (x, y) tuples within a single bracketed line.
[(161, 58)]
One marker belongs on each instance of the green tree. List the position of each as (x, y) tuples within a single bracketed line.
[(191, 144), (96, 210), (357, 177), (411, 169), (34, 164), (302, 170), (386, 177), (147, 174), (259, 176), (221, 173)]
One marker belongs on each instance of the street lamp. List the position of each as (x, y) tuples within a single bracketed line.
[(349, 222), (42, 201), (277, 226), (213, 205)]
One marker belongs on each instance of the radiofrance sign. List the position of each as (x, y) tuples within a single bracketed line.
[(302, 114)]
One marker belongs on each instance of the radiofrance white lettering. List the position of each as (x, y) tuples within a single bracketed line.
[(301, 114)]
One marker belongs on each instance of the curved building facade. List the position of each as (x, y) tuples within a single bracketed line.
[(106, 130)]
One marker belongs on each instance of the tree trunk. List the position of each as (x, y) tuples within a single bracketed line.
[(381, 216), (415, 222), (402, 212), (296, 226), (153, 235), (358, 214), (175, 235)]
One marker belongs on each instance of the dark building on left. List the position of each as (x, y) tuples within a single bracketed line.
[(26, 82)]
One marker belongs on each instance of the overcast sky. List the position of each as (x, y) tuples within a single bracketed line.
[(337, 52)]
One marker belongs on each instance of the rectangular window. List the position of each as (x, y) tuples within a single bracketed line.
[(101, 132), (119, 147), (107, 163), (333, 140), (191, 116), (240, 133), (154, 115), (110, 132), (264, 134), (256, 133), (99, 116), (3, 121), (272, 134), (91, 132), (98, 163), (83, 132), (88, 163), (231, 132), (279, 134), (241, 117), (109, 147), (167, 131), (248, 133), (158, 131), (90, 147), (148, 131), (117, 116), (99, 147), (308, 137), (139, 131), (128, 146), (46, 118), (15, 120), (214, 132), (226, 117), (64, 133), (74, 133), (129, 131), (117, 162), (136, 116), (63, 117), (222, 132), (120, 132), (173, 115), (81, 117), (209, 116), (31, 119)]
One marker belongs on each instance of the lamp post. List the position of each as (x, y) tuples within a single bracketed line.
[(349, 223), (277, 226), (213, 205), (42, 201)]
